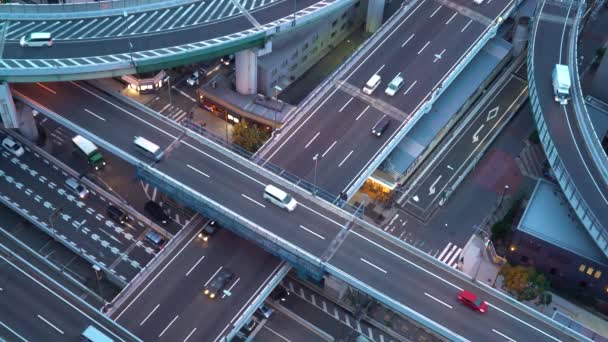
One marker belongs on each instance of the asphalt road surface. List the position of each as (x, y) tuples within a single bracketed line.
[(314, 227)]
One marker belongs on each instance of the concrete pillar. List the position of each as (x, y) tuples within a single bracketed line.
[(11, 118), (334, 288), (247, 72), (520, 35), (375, 14)]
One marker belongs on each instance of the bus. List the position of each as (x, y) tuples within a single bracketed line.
[(148, 148), (94, 157), (92, 334)]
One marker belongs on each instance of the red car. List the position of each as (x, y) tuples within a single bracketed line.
[(472, 301)]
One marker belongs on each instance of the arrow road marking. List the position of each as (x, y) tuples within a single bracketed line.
[(492, 113), (432, 188), (476, 136)]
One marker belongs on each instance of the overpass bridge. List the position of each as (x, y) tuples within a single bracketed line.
[(318, 238), (104, 40), (572, 148)]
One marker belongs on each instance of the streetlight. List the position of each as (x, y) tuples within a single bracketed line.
[(502, 196), (316, 159), (97, 278)]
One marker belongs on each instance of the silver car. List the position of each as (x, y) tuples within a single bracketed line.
[(77, 188), (12, 146)]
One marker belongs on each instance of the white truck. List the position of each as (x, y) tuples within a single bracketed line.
[(94, 157), (561, 83)]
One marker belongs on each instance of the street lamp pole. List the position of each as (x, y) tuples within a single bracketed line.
[(170, 97), (502, 196), (316, 159), (126, 16)]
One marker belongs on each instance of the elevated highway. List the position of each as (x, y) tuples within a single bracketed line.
[(317, 237), (138, 40), (572, 159), (428, 44)]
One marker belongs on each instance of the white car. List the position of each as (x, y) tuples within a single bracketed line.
[(193, 79), (394, 86), (12, 146)]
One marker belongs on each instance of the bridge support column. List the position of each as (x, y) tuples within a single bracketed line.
[(247, 71), (334, 287), (520, 35), (375, 13), (11, 118)]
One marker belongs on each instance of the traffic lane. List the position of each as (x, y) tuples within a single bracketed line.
[(246, 195), (411, 276), (64, 218), (451, 44), (177, 289), (279, 9), (27, 292), (89, 213), (100, 113), (121, 45), (489, 9), (281, 328), (561, 121), (426, 23), (457, 156)]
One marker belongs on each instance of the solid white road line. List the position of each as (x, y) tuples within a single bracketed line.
[(197, 170), (452, 17), (150, 314), (159, 273), (365, 110), (231, 287), (408, 40), (253, 296), (254, 201), (372, 265), (190, 334), (503, 335), (326, 151), (95, 115), (194, 266), (311, 232), (221, 333), (13, 332), (428, 295), (424, 47), (46, 88), (346, 104), (50, 324), (214, 274), (343, 160), (167, 327), (311, 140), (437, 10), (467, 25), (410, 87), (378, 71), (523, 322), (276, 333)]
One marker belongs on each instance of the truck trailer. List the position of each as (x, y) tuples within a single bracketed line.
[(94, 157), (561, 83)]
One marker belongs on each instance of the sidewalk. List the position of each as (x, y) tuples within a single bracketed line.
[(476, 263)]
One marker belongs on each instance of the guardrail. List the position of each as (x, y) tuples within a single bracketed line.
[(423, 108), (588, 219), (83, 9), (578, 103)]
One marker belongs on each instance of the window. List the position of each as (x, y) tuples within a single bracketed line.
[(305, 47), (333, 34), (295, 55), (343, 27), (597, 274), (304, 58), (590, 271), (343, 15), (582, 267), (524, 259), (357, 4), (333, 24)]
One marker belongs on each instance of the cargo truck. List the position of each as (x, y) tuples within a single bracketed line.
[(94, 157), (561, 83)]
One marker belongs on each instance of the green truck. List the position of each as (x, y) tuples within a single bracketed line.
[(94, 157)]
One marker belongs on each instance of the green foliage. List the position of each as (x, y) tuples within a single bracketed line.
[(500, 229), (249, 136), (534, 138), (524, 282)]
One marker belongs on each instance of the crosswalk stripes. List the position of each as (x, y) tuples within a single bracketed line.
[(174, 113), (450, 255)]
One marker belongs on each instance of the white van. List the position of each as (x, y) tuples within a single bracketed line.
[(372, 84), (36, 39), (147, 147), (279, 198)]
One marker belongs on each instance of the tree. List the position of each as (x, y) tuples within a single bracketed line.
[(249, 136)]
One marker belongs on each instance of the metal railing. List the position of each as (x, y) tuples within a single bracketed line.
[(423, 108), (588, 219)]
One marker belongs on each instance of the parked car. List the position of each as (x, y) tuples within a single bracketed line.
[(157, 212), (155, 238), (265, 310), (12, 146), (471, 300), (80, 190), (117, 214)]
